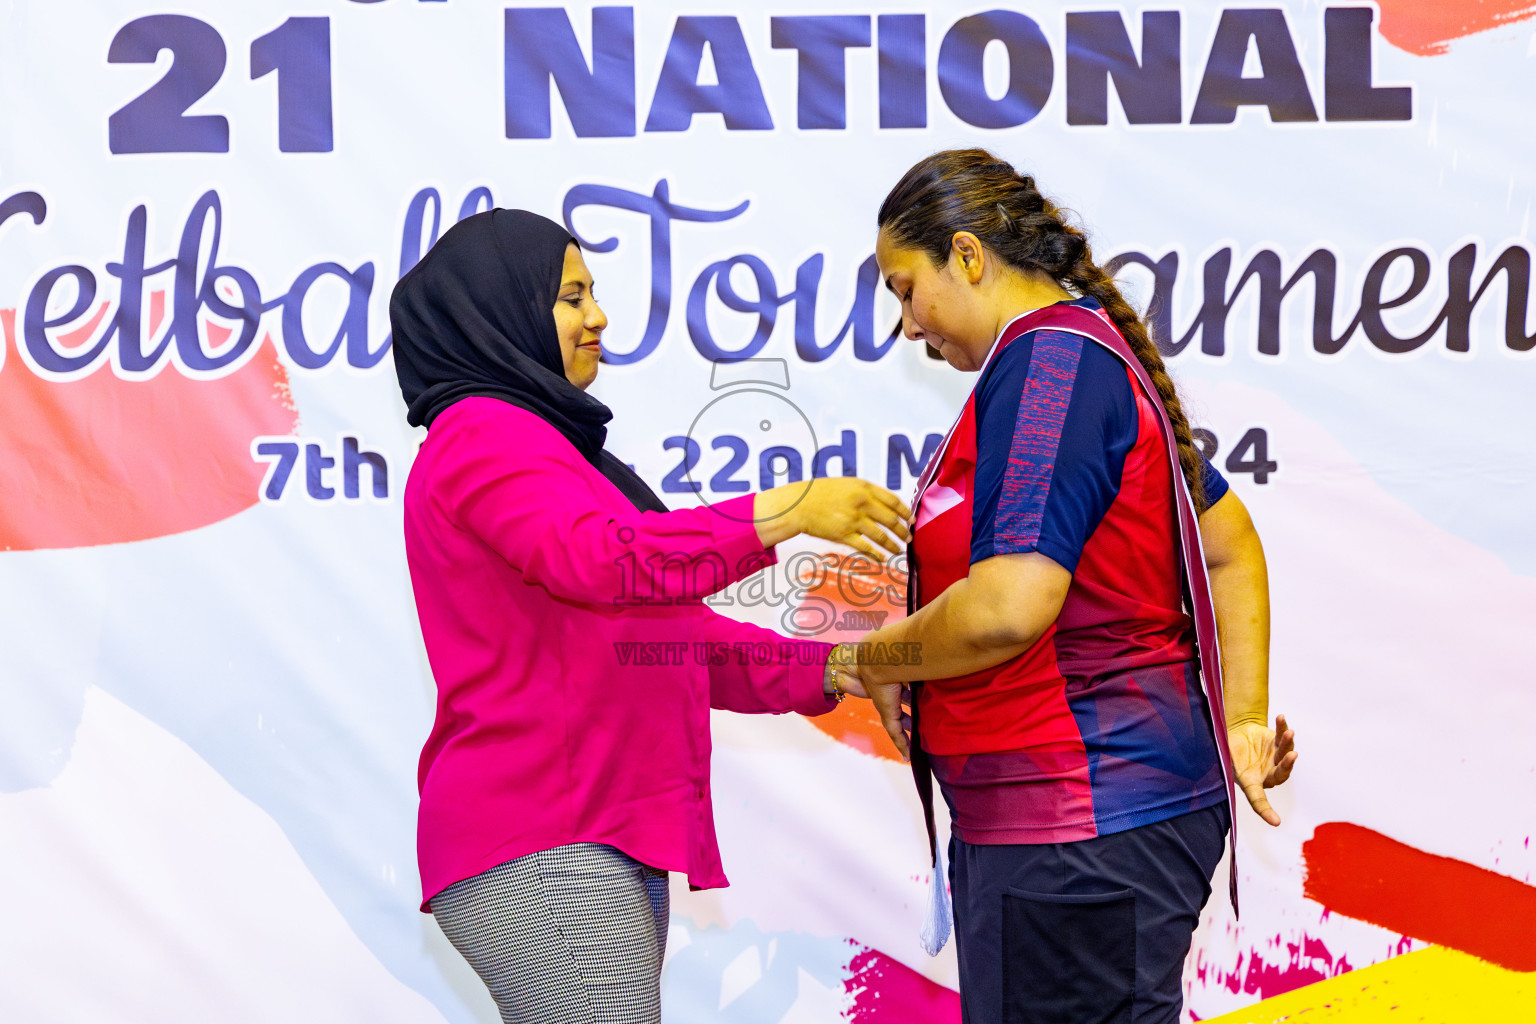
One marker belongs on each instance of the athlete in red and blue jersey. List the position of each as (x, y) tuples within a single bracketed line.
[(1073, 558), (1101, 725)]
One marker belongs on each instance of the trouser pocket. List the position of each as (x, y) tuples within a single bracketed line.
[(1068, 959)]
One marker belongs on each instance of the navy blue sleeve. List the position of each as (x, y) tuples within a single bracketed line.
[(1216, 486), (1055, 420)]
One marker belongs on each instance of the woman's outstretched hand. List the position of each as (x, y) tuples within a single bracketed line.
[(1262, 758), (842, 509)]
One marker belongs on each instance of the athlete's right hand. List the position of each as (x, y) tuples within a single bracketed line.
[(842, 509), (1262, 758)]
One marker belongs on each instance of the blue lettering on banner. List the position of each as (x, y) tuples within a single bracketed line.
[(662, 211), (1099, 51), (845, 451), (541, 50), (1281, 85), (299, 50), (1348, 92), (156, 121), (738, 96), (898, 451), (315, 465), (353, 329), (202, 286), (725, 482), (283, 455), (903, 72), (777, 460), (786, 464), (127, 322), (861, 317), (36, 322), (194, 289), (1030, 69), (658, 206), (541, 47), (31, 204), (191, 292), (765, 305), (821, 41), (1321, 265)]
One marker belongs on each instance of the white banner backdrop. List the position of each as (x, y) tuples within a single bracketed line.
[(213, 688)]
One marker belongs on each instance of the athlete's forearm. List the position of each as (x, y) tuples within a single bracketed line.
[(996, 613), (946, 639), (1240, 593)]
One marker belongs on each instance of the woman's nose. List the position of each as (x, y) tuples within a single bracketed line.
[(598, 320), (909, 328)]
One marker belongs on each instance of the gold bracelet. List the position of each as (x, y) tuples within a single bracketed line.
[(838, 693)]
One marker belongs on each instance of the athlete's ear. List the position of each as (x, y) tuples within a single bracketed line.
[(967, 257)]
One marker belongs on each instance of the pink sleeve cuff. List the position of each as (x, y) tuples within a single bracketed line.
[(806, 693)]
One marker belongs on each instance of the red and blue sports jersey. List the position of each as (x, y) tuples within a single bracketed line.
[(1101, 725)]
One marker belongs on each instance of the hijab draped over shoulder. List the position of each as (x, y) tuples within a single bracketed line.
[(476, 318)]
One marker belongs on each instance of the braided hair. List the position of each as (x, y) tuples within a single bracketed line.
[(972, 190)]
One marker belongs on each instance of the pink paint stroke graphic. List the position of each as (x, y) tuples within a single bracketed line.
[(886, 991), (1264, 974)]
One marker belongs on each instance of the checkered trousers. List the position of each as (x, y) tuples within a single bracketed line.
[(572, 935)]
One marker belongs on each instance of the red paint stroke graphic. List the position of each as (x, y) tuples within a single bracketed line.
[(846, 599), (103, 460), (1426, 27), (887, 991), (1363, 874), (1302, 963)]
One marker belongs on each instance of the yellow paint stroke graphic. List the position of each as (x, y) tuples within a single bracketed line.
[(1434, 985)]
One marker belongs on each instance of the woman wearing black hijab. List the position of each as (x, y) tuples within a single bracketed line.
[(567, 770)]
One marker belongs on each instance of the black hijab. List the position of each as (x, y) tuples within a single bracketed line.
[(476, 317)]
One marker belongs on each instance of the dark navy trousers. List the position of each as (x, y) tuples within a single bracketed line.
[(1091, 932)]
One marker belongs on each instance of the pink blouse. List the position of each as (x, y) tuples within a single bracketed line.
[(575, 664)]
